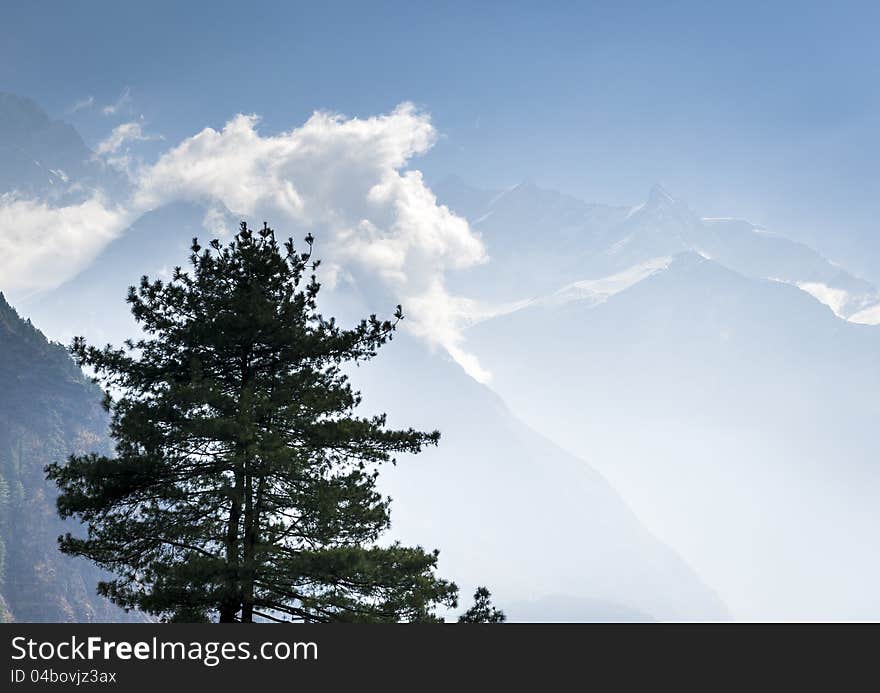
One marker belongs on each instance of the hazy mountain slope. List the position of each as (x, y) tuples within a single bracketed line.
[(510, 509), (47, 411), (153, 245), (736, 415)]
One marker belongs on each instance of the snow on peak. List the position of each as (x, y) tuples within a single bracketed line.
[(867, 316), (600, 290), (832, 297), (845, 305)]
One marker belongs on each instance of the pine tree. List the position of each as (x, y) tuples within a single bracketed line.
[(243, 484), (482, 611)]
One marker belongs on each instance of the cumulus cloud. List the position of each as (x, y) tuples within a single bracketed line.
[(345, 179), (43, 244)]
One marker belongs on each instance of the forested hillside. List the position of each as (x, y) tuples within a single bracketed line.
[(47, 410)]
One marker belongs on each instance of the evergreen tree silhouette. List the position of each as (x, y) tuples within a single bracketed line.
[(482, 611), (243, 484)]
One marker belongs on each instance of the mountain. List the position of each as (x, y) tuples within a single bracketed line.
[(508, 508), (48, 410), (734, 414), (537, 238), (540, 240)]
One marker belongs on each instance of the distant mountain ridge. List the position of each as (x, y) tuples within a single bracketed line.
[(540, 240)]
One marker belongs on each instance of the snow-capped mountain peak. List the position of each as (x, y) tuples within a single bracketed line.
[(566, 242)]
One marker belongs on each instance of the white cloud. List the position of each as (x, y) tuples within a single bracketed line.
[(43, 246), (82, 104), (219, 222), (121, 134), (440, 319), (123, 100), (345, 180), (114, 149)]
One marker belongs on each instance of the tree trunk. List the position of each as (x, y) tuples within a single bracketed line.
[(242, 497), (231, 602), (247, 581)]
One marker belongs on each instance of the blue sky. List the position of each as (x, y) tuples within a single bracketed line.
[(766, 112)]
